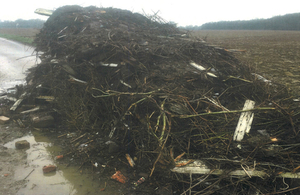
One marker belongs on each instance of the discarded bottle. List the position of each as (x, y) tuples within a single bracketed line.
[(138, 182)]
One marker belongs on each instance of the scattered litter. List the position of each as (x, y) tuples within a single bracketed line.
[(59, 157), (49, 168), (259, 77), (118, 176), (139, 182), (130, 161)]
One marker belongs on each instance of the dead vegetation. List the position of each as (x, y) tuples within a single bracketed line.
[(157, 92)]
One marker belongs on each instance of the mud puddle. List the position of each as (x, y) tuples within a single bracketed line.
[(66, 180), (21, 171)]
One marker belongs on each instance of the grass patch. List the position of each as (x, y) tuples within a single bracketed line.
[(22, 35), (21, 39)]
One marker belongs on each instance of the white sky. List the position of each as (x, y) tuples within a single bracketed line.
[(184, 12)]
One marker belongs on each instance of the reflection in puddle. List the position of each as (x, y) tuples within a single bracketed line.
[(66, 180)]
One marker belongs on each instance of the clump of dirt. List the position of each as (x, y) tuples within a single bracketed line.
[(126, 83)]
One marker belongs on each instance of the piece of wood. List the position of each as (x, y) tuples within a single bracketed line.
[(46, 98), (235, 50), (18, 102), (31, 110), (201, 68), (199, 167), (245, 121), (20, 123), (3, 120), (74, 80), (44, 12)]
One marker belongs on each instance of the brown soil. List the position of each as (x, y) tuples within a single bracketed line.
[(25, 32), (275, 54)]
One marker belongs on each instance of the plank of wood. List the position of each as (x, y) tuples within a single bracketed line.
[(18, 102), (199, 167), (245, 121)]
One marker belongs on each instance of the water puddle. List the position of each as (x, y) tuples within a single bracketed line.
[(15, 59), (66, 180)]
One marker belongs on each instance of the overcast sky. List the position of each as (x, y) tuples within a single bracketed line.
[(182, 12)]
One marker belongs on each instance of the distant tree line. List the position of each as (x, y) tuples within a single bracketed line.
[(20, 23), (286, 22)]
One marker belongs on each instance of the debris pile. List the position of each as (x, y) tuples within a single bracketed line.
[(142, 87)]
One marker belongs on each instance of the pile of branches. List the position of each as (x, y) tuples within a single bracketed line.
[(150, 87)]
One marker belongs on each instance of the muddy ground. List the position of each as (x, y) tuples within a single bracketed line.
[(10, 159), (275, 54), (12, 72)]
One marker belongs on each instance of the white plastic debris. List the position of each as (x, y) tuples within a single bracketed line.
[(201, 68), (127, 85), (54, 61), (109, 65), (259, 77), (211, 74)]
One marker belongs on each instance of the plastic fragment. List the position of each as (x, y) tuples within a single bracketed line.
[(59, 157), (130, 161), (118, 176)]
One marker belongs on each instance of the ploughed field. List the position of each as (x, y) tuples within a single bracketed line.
[(274, 54), (23, 35), (24, 32)]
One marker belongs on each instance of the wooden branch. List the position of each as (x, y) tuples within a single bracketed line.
[(199, 167), (223, 112)]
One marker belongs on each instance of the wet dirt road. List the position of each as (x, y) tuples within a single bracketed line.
[(15, 59)]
